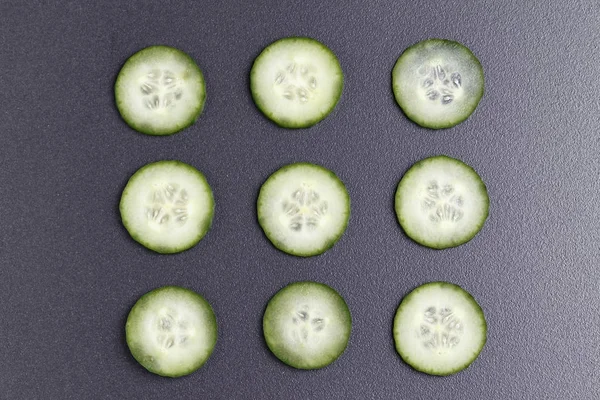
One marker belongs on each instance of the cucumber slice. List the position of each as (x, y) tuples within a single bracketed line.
[(303, 209), (441, 202), (171, 331), (167, 206), (160, 91), (296, 82), (439, 329), (307, 325), (438, 83)]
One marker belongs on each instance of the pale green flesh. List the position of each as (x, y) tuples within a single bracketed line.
[(438, 83), (441, 202), (296, 82), (439, 329), (303, 209), (307, 325), (160, 91), (171, 331), (167, 206)]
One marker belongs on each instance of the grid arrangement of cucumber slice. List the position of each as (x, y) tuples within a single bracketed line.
[(307, 325), (171, 331), (160, 91), (296, 82), (439, 329), (167, 206), (303, 209), (438, 83), (441, 202)]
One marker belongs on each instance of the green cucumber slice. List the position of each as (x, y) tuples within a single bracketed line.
[(438, 83), (296, 82), (160, 91), (171, 331), (307, 325), (439, 329), (441, 202), (303, 209), (167, 206)]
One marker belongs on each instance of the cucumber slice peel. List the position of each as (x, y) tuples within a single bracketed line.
[(303, 209), (441, 202), (171, 331), (439, 329), (296, 82), (307, 325), (167, 206), (160, 90), (438, 83)]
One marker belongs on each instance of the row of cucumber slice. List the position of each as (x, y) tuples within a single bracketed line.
[(438, 328), (296, 82), (303, 208)]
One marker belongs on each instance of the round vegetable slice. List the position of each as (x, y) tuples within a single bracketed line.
[(303, 209), (307, 325), (441, 202), (160, 91), (171, 331), (439, 329), (167, 206), (438, 83), (296, 82)]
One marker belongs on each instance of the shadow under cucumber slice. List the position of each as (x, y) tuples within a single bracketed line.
[(171, 331), (296, 82), (441, 202), (167, 206), (303, 209), (439, 329), (307, 325), (438, 83), (160, 90)]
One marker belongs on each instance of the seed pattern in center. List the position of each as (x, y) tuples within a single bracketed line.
[(160, 89), (306, 324), (439, 84), (440, 329), (304, 209), (171, 332), (443, 203), (168, 203), (297, 82)]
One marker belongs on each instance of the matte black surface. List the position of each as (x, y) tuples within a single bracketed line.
[(70, 273)]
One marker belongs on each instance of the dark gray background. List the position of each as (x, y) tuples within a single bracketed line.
[(70, 273)]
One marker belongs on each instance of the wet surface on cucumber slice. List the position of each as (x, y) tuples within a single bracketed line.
[(171, 331), (438, 83), (160, 90), (167, 206), (303, 209), (441, 202), (296, 82), (307, 325), (439, 329)]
